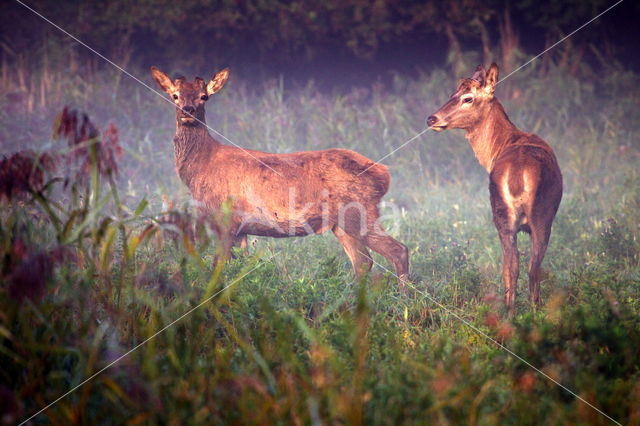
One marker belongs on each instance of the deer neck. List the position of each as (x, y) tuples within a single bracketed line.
[(192, 145), (489, 136)]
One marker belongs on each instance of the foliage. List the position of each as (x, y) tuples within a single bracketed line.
[(97, 267), (284, 32)]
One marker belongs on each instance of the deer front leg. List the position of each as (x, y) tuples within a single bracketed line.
[(227, 239), (240, 241)]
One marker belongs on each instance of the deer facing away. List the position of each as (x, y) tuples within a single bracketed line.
[(280, 195), (525, 183)]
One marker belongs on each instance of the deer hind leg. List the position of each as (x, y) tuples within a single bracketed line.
[(356, 250), (506, 218), (364, 227), (394, 251), (539, 241), (510, 266)]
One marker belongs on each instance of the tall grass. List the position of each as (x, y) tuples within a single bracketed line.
[(91, 268)]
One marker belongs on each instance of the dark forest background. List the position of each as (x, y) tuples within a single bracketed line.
[(335, 43)]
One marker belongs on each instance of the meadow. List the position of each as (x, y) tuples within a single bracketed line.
[(95, 264)]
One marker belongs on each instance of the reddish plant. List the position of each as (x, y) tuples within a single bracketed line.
[(24, 173), (27, 271), (86, 147), (527, 381), (110, 150), (29, 278)]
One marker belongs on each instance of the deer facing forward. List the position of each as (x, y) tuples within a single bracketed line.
[(525, 183), (280, 195)]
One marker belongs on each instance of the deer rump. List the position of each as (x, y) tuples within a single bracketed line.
[(525, 184), (284, 195)]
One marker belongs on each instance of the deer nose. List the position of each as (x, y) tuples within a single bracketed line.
[(189, 110), (431, 120)]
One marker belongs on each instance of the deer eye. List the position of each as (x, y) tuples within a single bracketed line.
[(204, 97), (467, 100), (175, 96)]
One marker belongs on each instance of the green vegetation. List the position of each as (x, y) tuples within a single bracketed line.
[(285, 335)]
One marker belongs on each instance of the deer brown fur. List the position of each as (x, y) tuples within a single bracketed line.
[(525, 182), (280, 195)]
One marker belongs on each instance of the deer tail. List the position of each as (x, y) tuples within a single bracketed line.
[(381, 178)]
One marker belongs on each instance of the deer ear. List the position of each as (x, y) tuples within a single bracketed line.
[(218, 81), (492, 77), (479, 75), (163, 80)]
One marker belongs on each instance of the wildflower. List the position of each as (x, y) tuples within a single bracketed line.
[(492, 300), (491, 320), (505, 331), (527, 381), (442, 383)]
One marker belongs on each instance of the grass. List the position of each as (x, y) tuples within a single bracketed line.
[(93, 267)]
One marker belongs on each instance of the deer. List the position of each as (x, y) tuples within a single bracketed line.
[(525, 182), (280, 195)]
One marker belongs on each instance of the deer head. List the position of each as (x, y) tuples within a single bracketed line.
[(469, 103), (190, 98)]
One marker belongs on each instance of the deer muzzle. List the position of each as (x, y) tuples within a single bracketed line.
[(187, 114), (435, 123)]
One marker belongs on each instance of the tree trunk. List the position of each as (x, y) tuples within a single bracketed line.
[(486, 42), (509, 42), (455, 51)]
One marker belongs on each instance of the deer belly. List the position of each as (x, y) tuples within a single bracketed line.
[(271, 223)]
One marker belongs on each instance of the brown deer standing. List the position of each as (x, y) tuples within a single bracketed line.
[(525, 183), (280, 195)]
